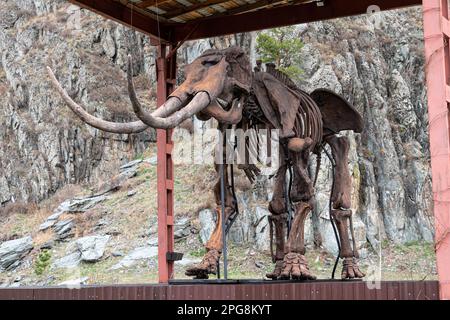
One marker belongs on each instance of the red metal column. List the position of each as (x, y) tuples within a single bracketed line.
[(166, 75), (437, 33)]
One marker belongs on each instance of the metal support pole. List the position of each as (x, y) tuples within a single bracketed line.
[(437, 34), (166, 74), (224, 234), (222, 202)]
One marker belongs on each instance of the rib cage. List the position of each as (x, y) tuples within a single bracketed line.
[(308, 121)]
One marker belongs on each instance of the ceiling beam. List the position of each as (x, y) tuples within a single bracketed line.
[(280, 16), (114, 10), (150, 3), (249, 6), (196, 6)]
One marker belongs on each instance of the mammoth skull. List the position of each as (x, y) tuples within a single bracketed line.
[(215, 86)]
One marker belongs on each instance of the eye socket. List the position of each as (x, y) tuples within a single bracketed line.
[(210, 63)]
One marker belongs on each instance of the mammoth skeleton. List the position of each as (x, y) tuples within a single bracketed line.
[(220, 84)]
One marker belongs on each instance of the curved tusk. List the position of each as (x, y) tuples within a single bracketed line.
[(200, 101), (174, 101), (173, 104), (197, 104), (233, 116), (113, 127)]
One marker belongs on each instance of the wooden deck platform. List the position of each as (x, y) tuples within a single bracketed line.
[(235, 290)]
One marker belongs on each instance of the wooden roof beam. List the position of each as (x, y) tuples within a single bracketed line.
[(196, 6), (280, 16), (114, 10), (250, 6), (150, 3)]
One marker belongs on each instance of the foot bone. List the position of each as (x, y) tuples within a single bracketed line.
[(296, 267), (207, 266), (350, 269)]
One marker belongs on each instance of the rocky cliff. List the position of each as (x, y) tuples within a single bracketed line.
[(375, 61), (42, 146)]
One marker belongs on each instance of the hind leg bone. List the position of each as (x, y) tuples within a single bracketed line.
[(341, 199)]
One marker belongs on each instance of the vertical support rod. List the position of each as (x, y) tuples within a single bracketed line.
[(436, 33), (224, 234), (166, 74), (222, 202)]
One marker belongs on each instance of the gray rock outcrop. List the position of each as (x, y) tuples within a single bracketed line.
[(67, 262), (136, 255), (207, 223), (92, 248), (87, 249), (182, 228), (11, 252)]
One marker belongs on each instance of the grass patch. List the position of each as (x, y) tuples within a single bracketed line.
[(199, 253)]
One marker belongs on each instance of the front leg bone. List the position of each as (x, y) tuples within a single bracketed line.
[(295, 265)]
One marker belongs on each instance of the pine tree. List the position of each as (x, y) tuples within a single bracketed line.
[(281, 46)]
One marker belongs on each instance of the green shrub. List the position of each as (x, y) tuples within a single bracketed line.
[(42, 262)]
